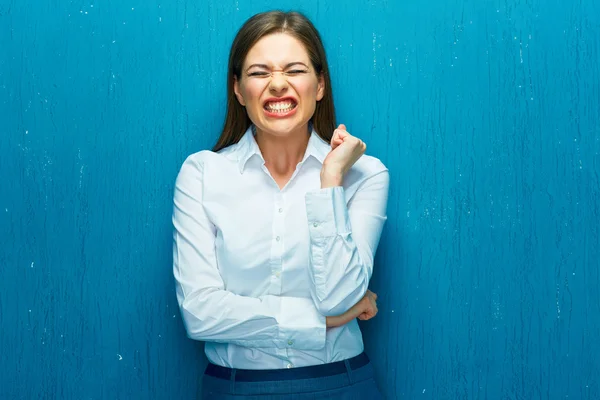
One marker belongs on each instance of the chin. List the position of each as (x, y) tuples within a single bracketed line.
[(281, 127)]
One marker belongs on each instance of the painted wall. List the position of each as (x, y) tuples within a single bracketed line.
[(486, 113)]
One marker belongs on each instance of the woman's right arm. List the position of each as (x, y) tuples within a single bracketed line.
[(209, 311)]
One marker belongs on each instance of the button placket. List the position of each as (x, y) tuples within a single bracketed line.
[(277, 243)]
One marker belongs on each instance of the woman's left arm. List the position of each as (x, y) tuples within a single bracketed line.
[(344, 239)]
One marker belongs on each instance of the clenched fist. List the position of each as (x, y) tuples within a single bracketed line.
[(364, 310), (345, 151)]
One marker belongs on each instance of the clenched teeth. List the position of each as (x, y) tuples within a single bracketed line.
[(281, 106)]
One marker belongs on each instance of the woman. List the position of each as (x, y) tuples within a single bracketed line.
[(277, 227)]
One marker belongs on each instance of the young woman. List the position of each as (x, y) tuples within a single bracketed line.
[(276, 228)]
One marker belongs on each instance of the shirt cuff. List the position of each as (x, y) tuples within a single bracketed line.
[(327, 212), (301, 326)]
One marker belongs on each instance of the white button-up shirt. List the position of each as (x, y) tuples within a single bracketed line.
[(257, 268)]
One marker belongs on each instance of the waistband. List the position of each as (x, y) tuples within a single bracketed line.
[(314, 371)]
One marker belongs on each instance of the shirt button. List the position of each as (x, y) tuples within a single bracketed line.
[(278, 238), (290, 342), (315, 224), (280, 210), (289, 365)]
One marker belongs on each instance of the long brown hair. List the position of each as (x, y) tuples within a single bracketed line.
[(258, 26)]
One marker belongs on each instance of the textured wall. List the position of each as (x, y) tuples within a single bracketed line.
[(485, 112)]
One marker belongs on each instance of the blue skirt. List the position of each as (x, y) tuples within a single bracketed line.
[(343, 380)]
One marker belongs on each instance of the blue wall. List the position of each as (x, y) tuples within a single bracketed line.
[(486, 114)]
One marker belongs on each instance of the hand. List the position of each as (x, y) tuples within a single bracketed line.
[(345, 151), (364, 310), (369, 308)]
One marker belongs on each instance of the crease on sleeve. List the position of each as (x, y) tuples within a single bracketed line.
[(327, 213), (300, 324)]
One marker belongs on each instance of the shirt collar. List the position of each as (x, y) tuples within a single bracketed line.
[(247, 148)]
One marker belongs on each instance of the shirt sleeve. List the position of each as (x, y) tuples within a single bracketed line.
[(343, 241), (209, 311)]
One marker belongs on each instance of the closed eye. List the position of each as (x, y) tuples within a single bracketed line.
[(258, 73), (296, 72)]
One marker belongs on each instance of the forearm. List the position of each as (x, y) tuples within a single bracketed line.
[(216, 315), (343, 240), (340, 276), (331, 178)]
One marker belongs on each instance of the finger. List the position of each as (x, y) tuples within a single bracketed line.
[(339, 134), (365, 316), (335, 143), (342, 127), (334, 137), (342, 134)]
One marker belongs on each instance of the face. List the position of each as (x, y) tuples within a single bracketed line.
[(278, 85)]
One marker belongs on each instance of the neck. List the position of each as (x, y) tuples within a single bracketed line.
[(283, 153)]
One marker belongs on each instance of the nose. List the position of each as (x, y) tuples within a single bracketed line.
[(278, 83)]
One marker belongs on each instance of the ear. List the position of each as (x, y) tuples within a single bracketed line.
[(236, 89), (320, 87)]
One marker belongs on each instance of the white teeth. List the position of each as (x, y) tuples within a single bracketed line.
[(282, 106)]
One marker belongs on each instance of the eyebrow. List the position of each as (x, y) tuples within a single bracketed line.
[(264, 66)]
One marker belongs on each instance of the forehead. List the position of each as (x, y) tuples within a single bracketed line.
[(277, 50)]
